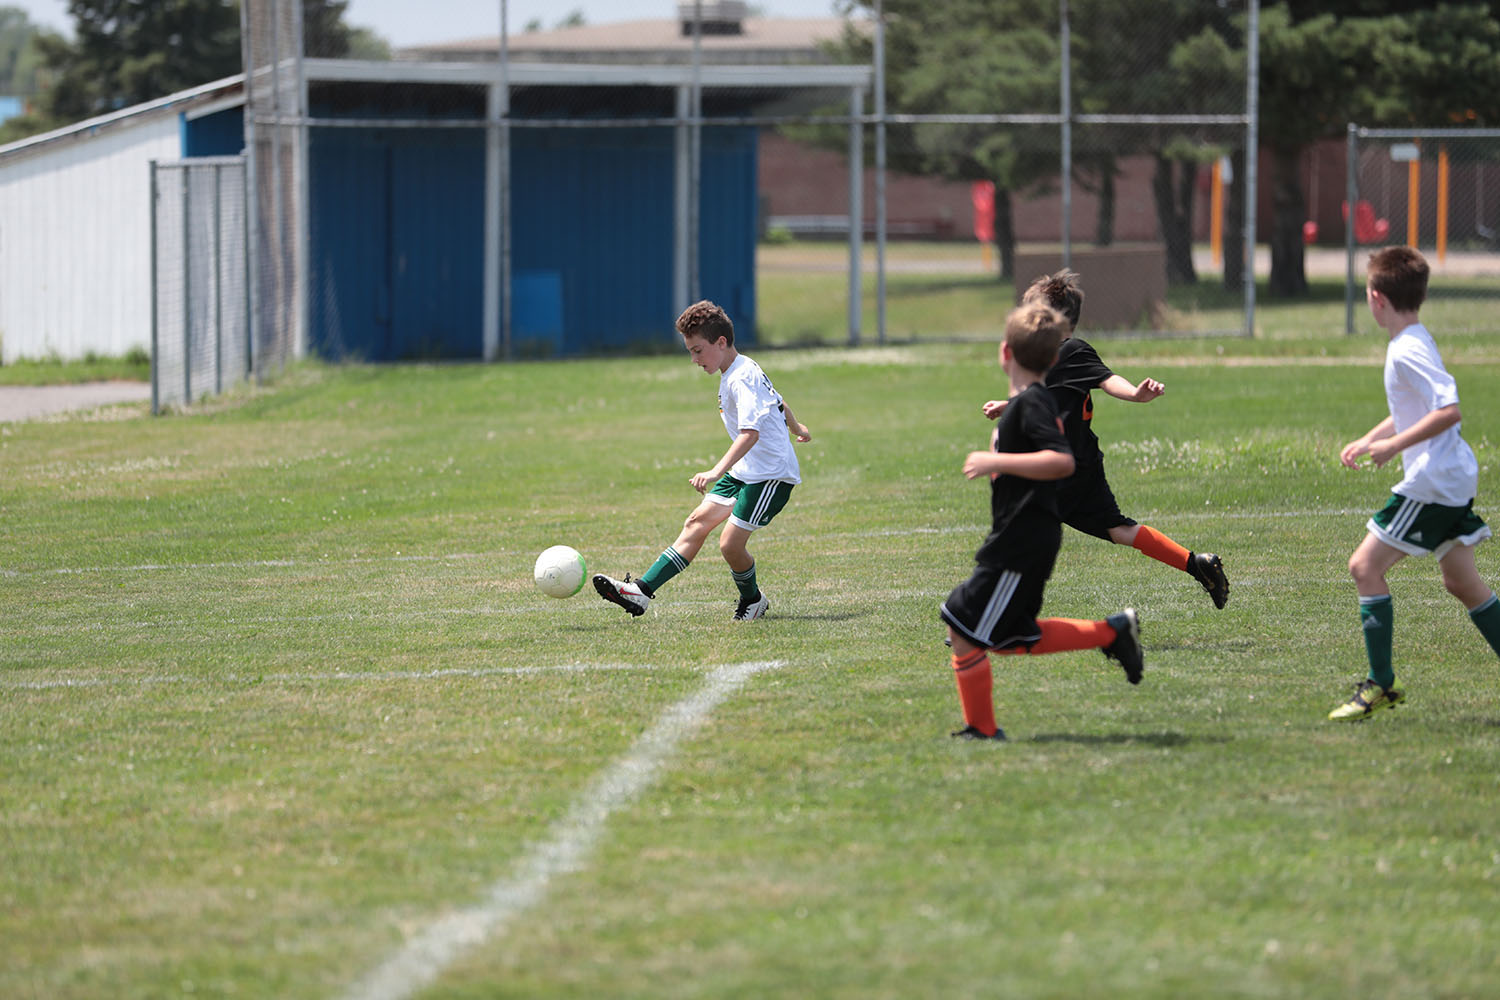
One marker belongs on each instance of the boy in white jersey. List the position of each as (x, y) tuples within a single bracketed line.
[(747, 487), (1431, 511)]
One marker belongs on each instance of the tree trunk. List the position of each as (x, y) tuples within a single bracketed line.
[(1234, 224), (1289, 210), (1104, 235), (1005, 234), (1172, 184)]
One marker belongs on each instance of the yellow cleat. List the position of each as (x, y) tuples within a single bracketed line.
[(1368, 698)]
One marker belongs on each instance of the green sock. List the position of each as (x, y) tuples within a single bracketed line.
[(1377, 616), (1486, 618), (667, 565), (749, 589)]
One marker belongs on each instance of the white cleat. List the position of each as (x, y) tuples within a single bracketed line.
[(750, 610), (626, 593)]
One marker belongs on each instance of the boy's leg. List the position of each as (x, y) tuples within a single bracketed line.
[(707, 516), (1090, 507), (1118, 636), (1371, 560), (635, 595), (755, 505), (971, 671), (1462, 580)]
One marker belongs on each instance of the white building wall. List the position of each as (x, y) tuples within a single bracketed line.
[(75, 242)]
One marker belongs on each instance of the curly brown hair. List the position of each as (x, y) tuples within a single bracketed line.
[(1060, 291), (706, 320), (1034, 332)]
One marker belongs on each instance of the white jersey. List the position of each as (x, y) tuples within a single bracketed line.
[(1441, 469), (748, 401)]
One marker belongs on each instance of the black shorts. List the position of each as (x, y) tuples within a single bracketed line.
[(996, 607), (1085, 503)]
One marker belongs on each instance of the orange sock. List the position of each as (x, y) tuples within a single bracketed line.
[(1161, 548), (1059, 635), (972, 671)]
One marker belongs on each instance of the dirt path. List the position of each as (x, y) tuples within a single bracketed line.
[(28, 402)]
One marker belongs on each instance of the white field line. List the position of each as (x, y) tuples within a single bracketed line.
[(566, 848), (955, 529), (341, 676)]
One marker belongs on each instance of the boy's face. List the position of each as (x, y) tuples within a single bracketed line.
[(711, 357)]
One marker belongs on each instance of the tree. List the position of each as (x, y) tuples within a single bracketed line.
[(1382, 63), (975, 57), (125, 53), (19, 60), (1153, 57)]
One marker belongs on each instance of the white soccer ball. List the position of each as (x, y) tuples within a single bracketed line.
[(560, 571)]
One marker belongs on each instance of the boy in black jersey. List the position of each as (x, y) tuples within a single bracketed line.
[(996, 607), (1085, 501)]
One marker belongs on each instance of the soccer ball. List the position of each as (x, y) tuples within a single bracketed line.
[(560, 571)]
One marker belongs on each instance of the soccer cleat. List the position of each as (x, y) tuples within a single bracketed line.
[(1127, 645), (749, 610), (1368, 697), (970, 733), (626, 593), (1208, 569)]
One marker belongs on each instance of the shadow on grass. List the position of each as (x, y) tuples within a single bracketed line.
[(1121, 739)]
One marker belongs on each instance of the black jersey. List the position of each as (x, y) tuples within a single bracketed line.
[(1023, 512), (1078, 372)]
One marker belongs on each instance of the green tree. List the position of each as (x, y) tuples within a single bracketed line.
[(19, 60), (1382, 64), (970, 57), (127, 53)]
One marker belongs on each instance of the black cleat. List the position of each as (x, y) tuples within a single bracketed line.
[(1127, 645), (1208, 569), (970, 733)]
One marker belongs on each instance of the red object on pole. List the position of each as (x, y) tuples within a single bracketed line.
[(982, 193)]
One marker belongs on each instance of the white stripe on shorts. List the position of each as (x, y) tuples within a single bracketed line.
[(1005, 589)]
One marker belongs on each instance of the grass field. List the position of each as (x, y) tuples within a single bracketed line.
[(285, 717)]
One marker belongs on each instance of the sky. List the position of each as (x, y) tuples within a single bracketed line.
[(414, 22)]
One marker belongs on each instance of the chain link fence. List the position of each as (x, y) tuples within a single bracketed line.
[(200, 324), (1437, 190), (547, 192)]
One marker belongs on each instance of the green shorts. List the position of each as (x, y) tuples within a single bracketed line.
[(754, 503), (1420, 529)]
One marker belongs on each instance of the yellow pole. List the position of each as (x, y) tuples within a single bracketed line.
[(1442, 204), (1216, 213), (1413, 196)]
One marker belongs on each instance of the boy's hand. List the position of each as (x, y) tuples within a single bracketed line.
[(1350, 454), (802, 434), (994, 407), (1382, 451), (703, 480), (1148, 390), (979, 463)]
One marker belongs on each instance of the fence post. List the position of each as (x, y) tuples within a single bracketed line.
[(218, 285), (1351, 198), (155, 295), (187, 290)]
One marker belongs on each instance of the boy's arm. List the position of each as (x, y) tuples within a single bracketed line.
[(1043, 466), (1382, 449), (994, 407), (742, 443), (798, 429), (1120, 387)]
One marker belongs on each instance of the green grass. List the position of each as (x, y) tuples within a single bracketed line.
[(135, 366), (937, 291), (277, 697)]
